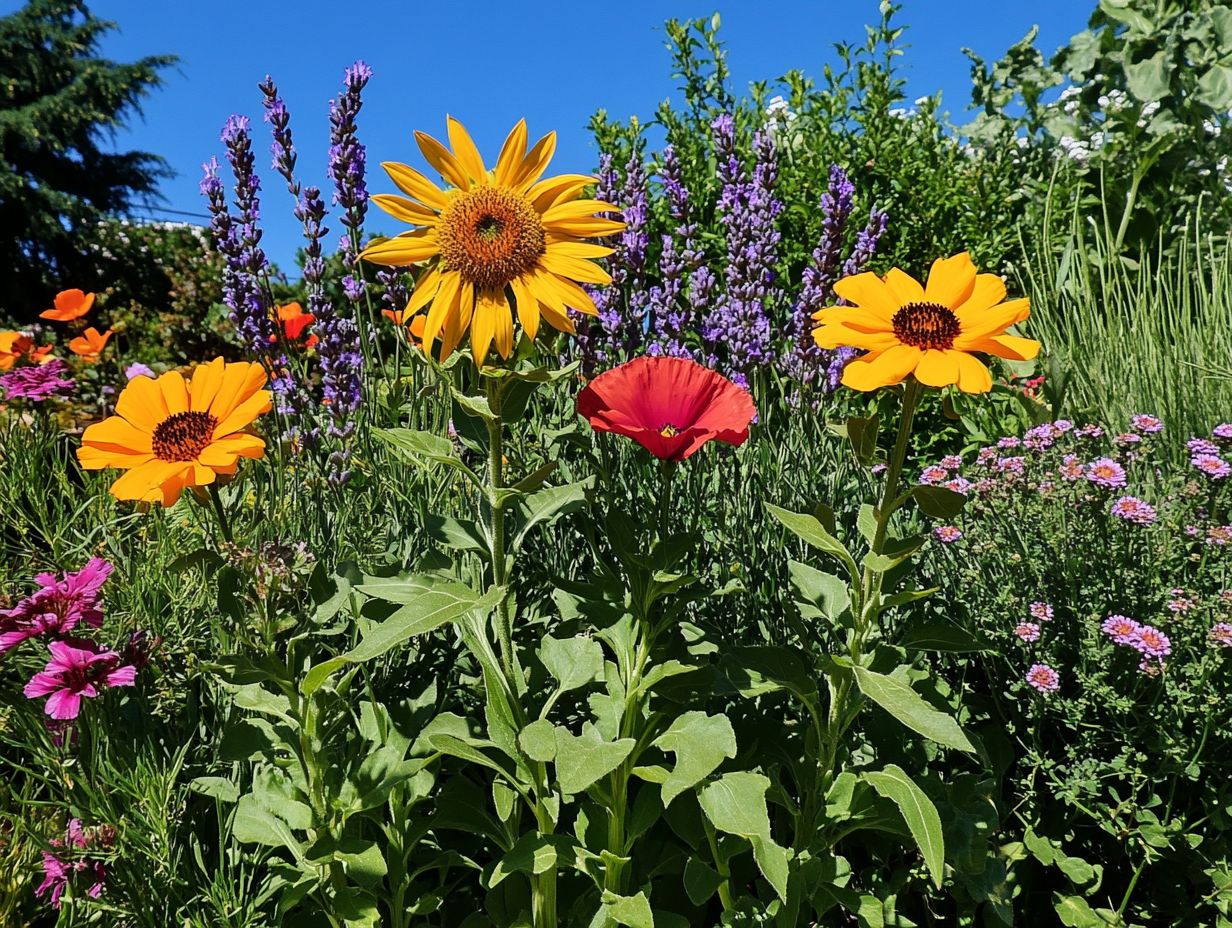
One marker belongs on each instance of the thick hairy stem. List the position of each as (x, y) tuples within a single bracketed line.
[(496, 528)]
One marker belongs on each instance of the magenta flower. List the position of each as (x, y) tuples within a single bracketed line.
[(951, 462), (1128, 438), (1151, 642), (57, 607), (1219, 535), (1071, 468), (74, 673), (1014, 465), (934, 475), (1041, 612), (1223, 431), (36, 383), (1201, 446), (986, 456), (1027, 631), (1008, 442), (1134, 510), (1212, 465), (1107, 473), (959, 485), (59, 872), (1146, 424), (1090, 431), (1061, 426), (947, 534), (1044, 679), (1221, 635), (1121, 629)]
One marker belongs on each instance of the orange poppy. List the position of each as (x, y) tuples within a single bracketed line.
[(90, 344), (70, 305), (414, 328), (17, 345), (294, 320)]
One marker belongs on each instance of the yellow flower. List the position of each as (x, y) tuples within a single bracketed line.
[(932, 332), (493, 236), (169, 434)]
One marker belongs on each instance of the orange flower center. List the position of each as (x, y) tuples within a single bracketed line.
[(490, 235), (183, 435), (669, 431), (926, 325)]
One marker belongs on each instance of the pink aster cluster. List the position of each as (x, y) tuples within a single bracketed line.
[(1044, 679), (1220, 635), (934, 475), (1132, 509), (1107, 473), (1146, 424), (1147, 640), (74, 862), (78, 668), (947, 534), (1027, 631)]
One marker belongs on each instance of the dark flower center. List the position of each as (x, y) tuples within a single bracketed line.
[(183, 435), (926, 325), (490, 235)]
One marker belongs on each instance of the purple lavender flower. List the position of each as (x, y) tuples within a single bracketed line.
[(283, 147), (37, 383)]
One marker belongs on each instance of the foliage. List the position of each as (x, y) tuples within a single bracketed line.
[(60, 99)]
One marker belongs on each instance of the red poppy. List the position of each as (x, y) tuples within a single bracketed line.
[(669, 406), (294, 321)]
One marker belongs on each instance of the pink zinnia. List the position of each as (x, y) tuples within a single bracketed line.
[(1106, 472), (1013, 465), (1132, 509), (947, 534), (1041, 612), (1219, 535), (1221, 634), (1027, 631), (1223, 431), (1151, 642), (1090, 431), (1201, 446), (1148, 425), (1121, 629), (951, 462), (1212, 465), (958, 485), (934, 475), (1008, 442), (1044, 678), (74, 673), (1071, 468), (57, 607)]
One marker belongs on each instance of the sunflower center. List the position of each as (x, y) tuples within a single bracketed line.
[(183, 435), (669, 431), (926, 325), (490, 235)]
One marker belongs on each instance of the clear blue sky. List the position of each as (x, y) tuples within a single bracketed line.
[(489, 62)]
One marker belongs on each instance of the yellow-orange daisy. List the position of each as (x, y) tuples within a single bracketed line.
[(492, 237), (932, 331), (170, 433)]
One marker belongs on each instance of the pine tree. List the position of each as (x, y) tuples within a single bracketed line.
[(60, 103)]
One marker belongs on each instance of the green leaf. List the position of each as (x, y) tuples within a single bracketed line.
[(700, 743), (426, 450), (862, 433), (536, 853), (1215, 86), (810, 530), (538, 740), (827, 592), (253, 824), (219, 788), (1149, 79), (363, 859), (1126, 11), (736, 804), (700, 880), (546, 506), (918, 812), (476, 406), (631, 911), (1076, 912), (906, 705), (582, 760), (938, 502), (760, 669), (573, 662), (939, 635)]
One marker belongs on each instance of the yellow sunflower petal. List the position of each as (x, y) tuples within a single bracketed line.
[(405, 210), (586, 227), (562, 293), (881, 370), (141, 403), (206, 381), (575, 209), (240, 381), (119, 434), (425, 289), (511, 154), (575, 249), (465, 152), (96, 457), (906, 289), (973, 376), (552, 190), (459, 321), (222, 452), (527, 305), (444, 304), (484, 325), (938, 368), (840, 336), (994, 321), (175, 391), (556, 319), (869, 292), (408, 248), (1010, 347), (414, 184), (136, 483), (950, 281), (989, 290), (244, 414), (574, 268), (443, 160), (535, 163)]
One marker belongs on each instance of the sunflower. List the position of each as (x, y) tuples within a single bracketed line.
[(169, 434), (932, 331), (492, 237)]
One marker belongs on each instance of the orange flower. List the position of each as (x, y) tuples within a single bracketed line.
[(90, 344), (294, 320), (16, 345), (169, 434), (414, 328), (70, 305)]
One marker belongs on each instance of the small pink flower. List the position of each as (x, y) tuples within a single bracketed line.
[(1121, 629), (947, 534), (951, 462), (1134, 510), (74, 673), (1198, 446), (1041, 612), (1151, 642), (1212, 465), (137, 369), (57, 607), (1219, 535), (934, 475), (959, 485), (1071, 468), (1147, 425), (1044, 679), (1106, 472), (1014, 465), (1090, 431), (1027, 631), (1126, 439), (1151, 666), (1221, 634), (1008, 442), (1223, 431)]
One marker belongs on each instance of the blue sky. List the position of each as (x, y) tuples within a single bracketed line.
[(489, 62)]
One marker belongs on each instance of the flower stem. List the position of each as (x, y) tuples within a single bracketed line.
[(223, 524), (496, 528)]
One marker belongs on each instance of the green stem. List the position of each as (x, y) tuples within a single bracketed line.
[(496, 528), (223, 524)]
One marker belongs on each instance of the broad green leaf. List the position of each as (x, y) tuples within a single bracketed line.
[(760, 669), (582, 760), (363, 859), (536, 853), (538, 740), (1076, 912), (631, 911), (426, 450), (827, 592), (1215, 86), (1149, 79), (918, 812), (219, 788), (664, 670), (939, 635), (548, 505), (573, 662), (700, 880), (253, 824), (810, 530), (938, 502), (906, 705), (736, 804), (700, 743)]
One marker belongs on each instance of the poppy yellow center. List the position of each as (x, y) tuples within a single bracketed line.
[(490, 235), (669, 431), (926, 325), (183, 435)]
